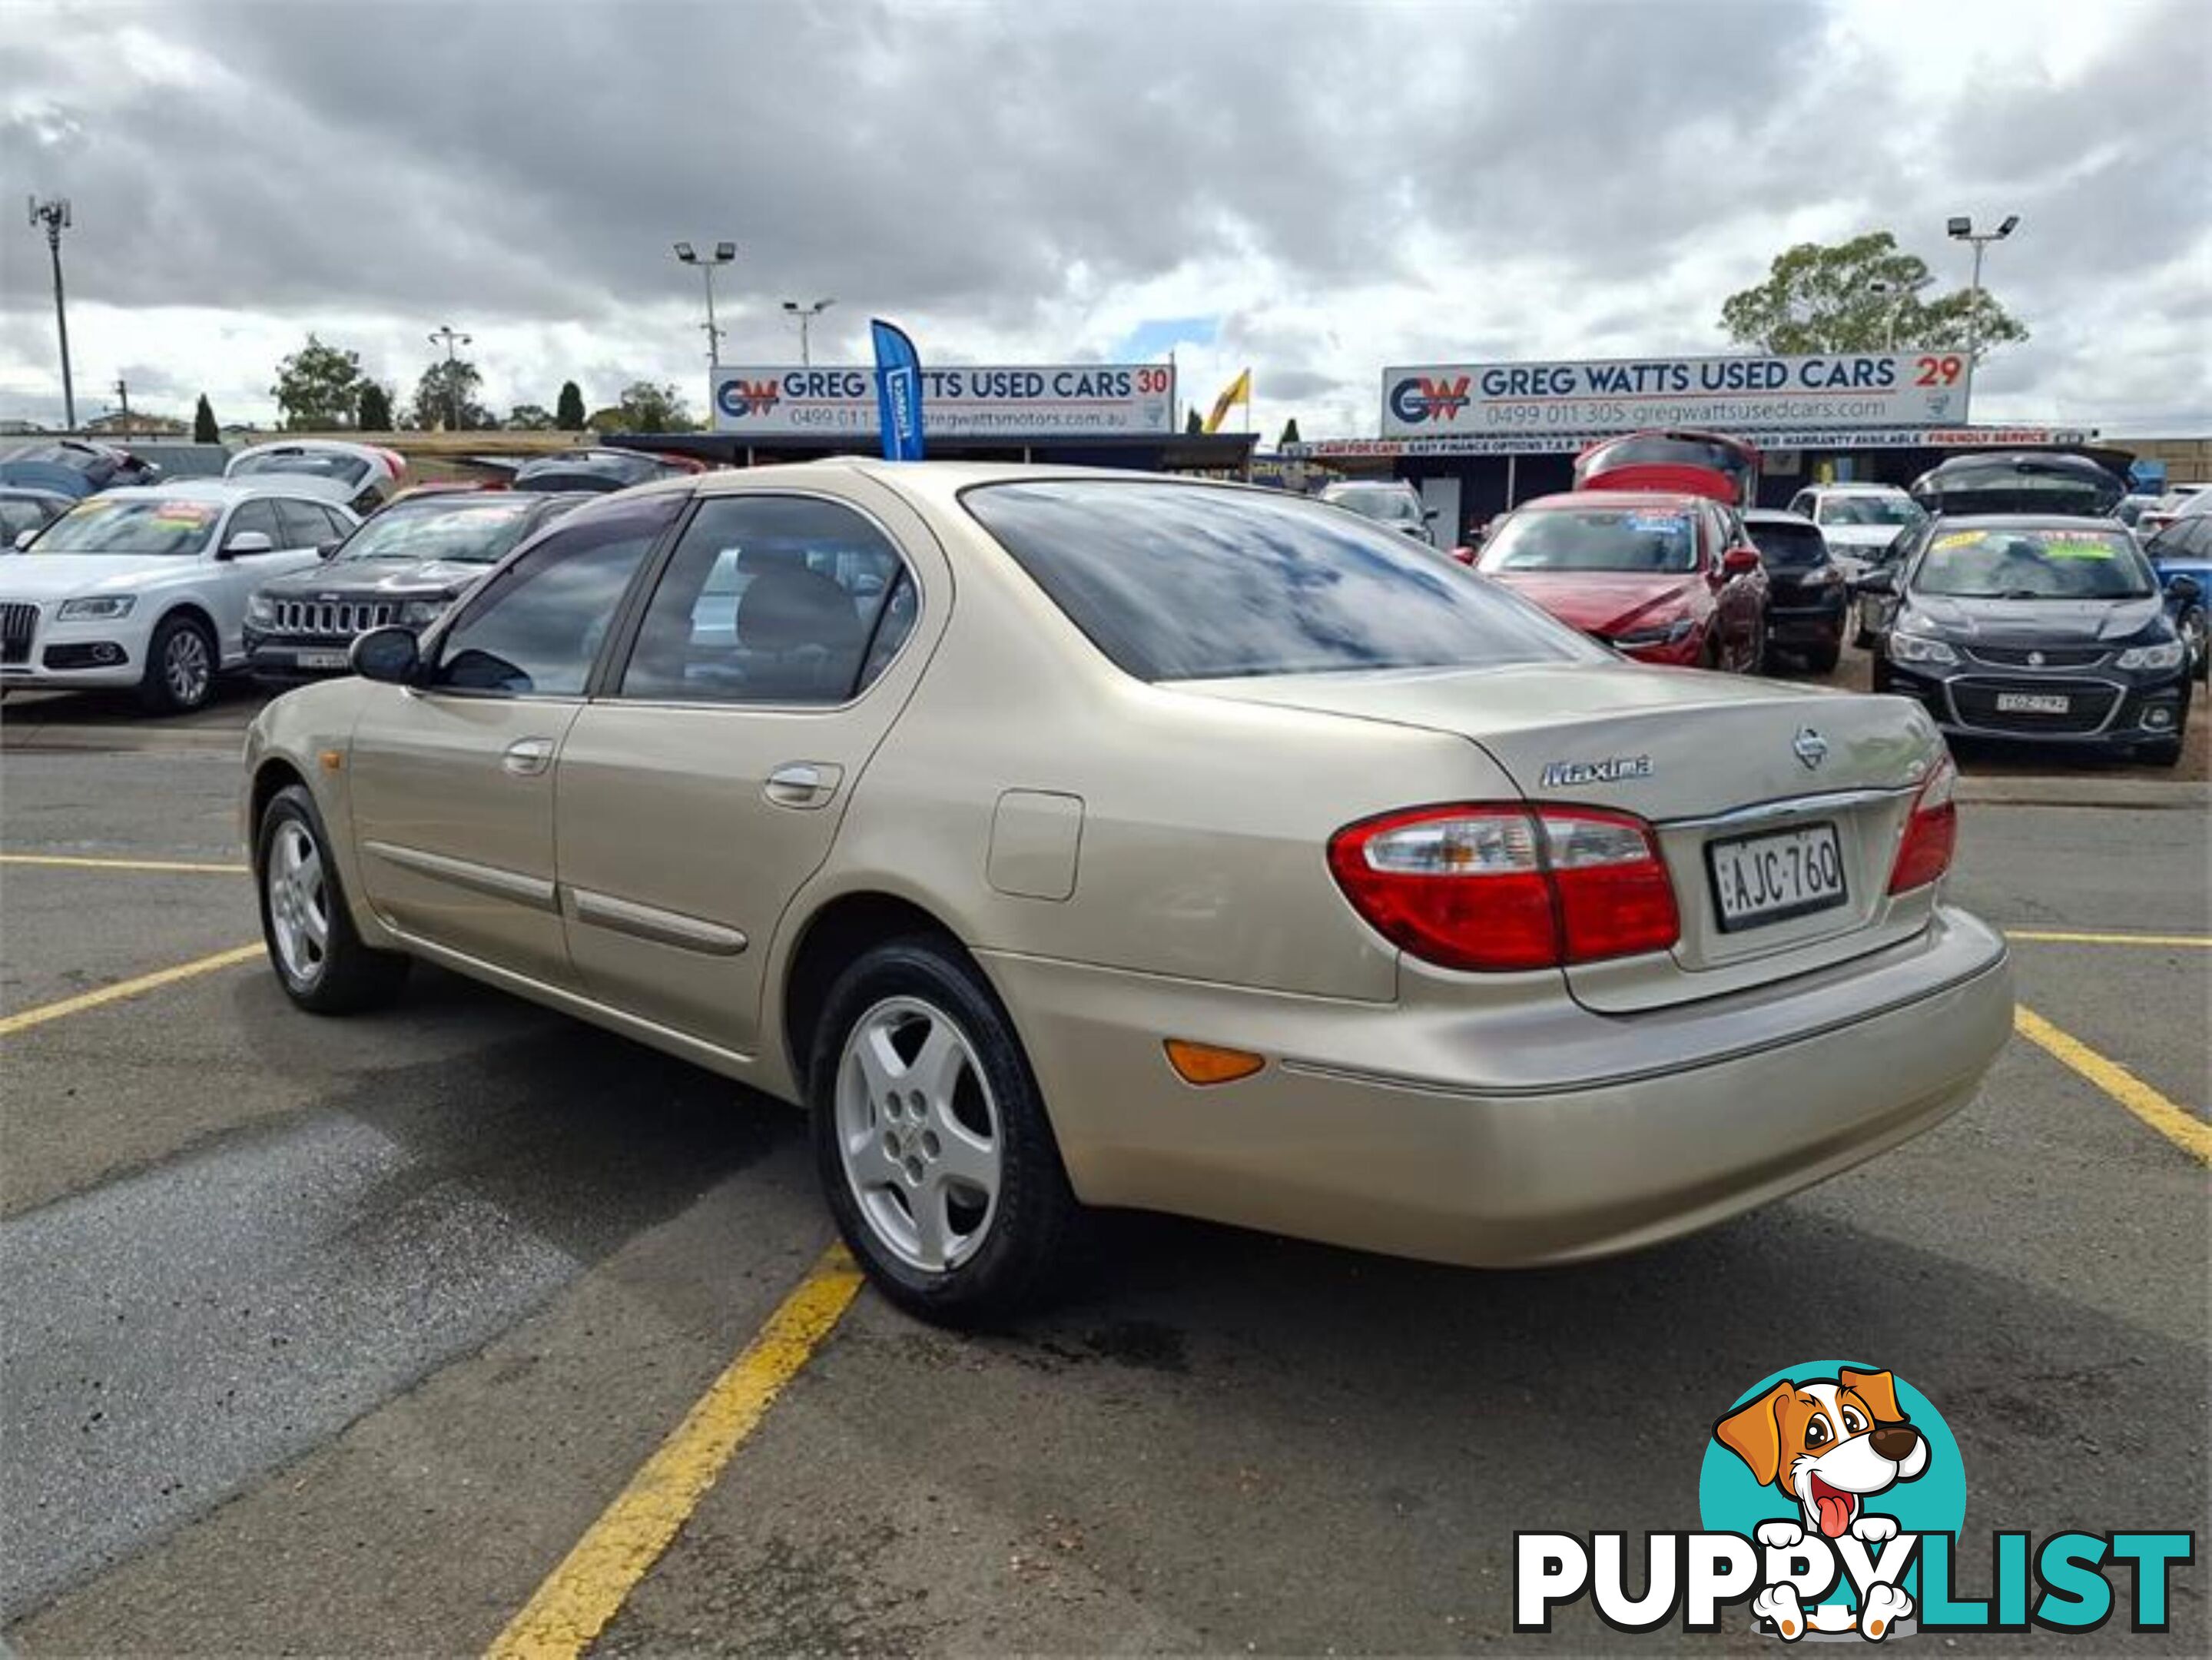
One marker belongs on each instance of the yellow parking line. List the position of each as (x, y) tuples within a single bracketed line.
[(589, 1587), (2195, 941), (171, 866), (22, 1021), (2184, 1129)]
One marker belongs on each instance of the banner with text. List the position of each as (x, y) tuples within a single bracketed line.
[(1042, 401), (1724, 394)]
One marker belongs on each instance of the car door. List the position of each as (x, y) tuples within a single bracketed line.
[(1739, 600), (237, 574), (451, 779), (706, 784)]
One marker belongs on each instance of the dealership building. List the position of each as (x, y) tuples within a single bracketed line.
[(1475, 438)]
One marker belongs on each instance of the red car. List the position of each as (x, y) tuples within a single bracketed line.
[(1709, 464), (1664, 578)]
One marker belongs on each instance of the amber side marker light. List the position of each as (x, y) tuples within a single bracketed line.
[(332, 760), (1204, 1063)]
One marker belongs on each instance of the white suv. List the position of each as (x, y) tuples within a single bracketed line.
[(147, 587), (1857, 521)]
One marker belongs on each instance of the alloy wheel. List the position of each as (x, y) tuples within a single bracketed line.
[(186, 668), (299, 902)]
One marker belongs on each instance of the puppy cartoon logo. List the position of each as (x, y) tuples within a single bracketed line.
[(1830, 1444)]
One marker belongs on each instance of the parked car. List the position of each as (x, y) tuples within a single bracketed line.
[(358, 475), (1708, 464), (1321, 886), (25, 512), (1387, 501), (1859, 522), (594, 470), (2169, 507), (76, 467), (147, 587), (2038, 482), (2132, 506), (405, 564), (2183, 551), (2038, 626), (1805, 588), (1664, 578)]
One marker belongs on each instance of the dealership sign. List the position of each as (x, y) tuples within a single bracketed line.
[(1877, 389), (1771, 441), (1040, 400)]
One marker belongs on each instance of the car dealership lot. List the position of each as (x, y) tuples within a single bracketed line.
[(339, 1336)]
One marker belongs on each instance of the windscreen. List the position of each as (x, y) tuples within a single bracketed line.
[(1188, 582), (302, 463), (2054, 563), (474, 533), (1653, 540), (1895, 512), (584, 472), (1786, 546), (1391, 506), (131, 525)]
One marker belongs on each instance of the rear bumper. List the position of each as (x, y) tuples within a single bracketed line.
[(1544, 1135), (1793, 625)]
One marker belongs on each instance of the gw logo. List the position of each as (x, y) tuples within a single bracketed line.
[(1420, 399), (742, 398)]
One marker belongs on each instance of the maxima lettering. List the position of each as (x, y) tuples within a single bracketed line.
[(1565, 773)]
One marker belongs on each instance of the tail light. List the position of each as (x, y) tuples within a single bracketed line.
[(1495, 888), (1923, 853)]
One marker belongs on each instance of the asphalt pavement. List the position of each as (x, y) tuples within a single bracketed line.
[(336, 1335)]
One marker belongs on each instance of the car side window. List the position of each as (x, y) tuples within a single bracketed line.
[(256, 515), (339, 528), (304, 524), (536, 625), (770, 600), (1802, 503)]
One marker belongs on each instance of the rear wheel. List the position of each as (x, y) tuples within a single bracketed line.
[(181, 665), (318, 958), (932, 1141)]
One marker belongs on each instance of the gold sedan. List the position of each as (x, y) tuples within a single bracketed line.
[(1062, 839)]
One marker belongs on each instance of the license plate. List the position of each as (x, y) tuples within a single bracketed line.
[(324, 659), (1766, 879), (2033, 702)]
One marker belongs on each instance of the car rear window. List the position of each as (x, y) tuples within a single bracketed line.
[(1658, 539), (1788, 547), (301, 463), (1193, 582)]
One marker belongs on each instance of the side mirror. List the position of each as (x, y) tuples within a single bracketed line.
[(2186, 589), (325, 549), (248, 541), (1739, 562), (1876, 582), (390, 654), (24, 538)]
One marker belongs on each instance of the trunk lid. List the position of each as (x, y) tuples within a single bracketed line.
[(1708, 759)]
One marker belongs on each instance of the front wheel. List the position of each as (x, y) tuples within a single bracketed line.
[(932, 1141), (2193, 635), (318, 958), (181, 665)]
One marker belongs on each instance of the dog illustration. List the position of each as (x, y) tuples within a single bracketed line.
[(1830, 1445)]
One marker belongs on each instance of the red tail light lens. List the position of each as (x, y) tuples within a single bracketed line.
[(1497, 888), (1931, 834)]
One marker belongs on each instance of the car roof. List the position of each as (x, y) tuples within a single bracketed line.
[(1776, 516), (1858, 490), (219, 491), (2075, 522)]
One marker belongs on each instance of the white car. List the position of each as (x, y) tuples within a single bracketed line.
[(147, 587), (1857, 521), (361, 477)]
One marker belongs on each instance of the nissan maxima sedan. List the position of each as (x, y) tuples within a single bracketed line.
[(1066, 840), (2051, 630)]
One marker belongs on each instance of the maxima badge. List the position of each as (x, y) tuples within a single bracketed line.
[(1563, 773)]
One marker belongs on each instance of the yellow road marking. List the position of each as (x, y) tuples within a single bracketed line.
[(589, 1587), (173, 867), (2195, 941), (2184, 1129), (12, 1024)]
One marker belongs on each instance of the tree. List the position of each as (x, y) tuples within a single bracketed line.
[(1858, 296), (445, 397), (316, 387), (528, 418), (645, 407), (375, 408), (1290, 434), (1195, 423), (204, 430), (568, 408)]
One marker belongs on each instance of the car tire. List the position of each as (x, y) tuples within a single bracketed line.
[(1822, 659), (2193, 633), (181, 662), (1881, 676), (312, 944), (949, 1191)]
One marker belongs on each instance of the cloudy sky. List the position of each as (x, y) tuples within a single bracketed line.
[(1313, 189)]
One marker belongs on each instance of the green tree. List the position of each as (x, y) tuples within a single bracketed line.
[(316, 387), (1859, 295), (569, 408), (645, 407), (528, 418), (375, 414), (445, 397), (1289, 433), (204, 430)]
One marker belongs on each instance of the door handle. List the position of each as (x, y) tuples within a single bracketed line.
[(527, 757), (802, 783)]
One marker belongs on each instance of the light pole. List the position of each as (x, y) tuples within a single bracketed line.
[(53, 215), (1882, 288), (445, 332), (807, 315), (723, 253), (1962, 230)]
